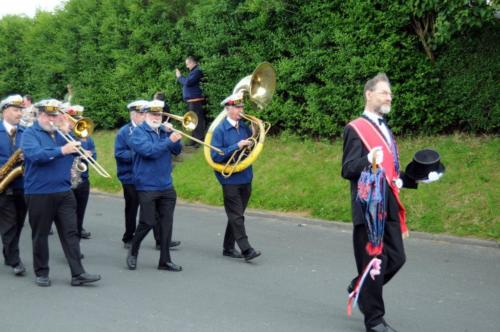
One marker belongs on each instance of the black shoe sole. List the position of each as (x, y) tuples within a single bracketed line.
[(164, 268), (83, 282), (247, 259), (43, 284)]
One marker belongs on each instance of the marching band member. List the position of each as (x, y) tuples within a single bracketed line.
[(29, 112), (124, 156), (48, 160), (12, 205), (231, 135), (154, 144), (366, 139), (80, 179)]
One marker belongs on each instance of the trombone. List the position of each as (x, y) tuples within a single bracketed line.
[(189, 122), (81, 151)]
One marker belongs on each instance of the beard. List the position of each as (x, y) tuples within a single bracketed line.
[(153, 124), (384, 109)]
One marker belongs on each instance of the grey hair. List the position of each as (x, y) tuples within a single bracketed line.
[(370, 84)]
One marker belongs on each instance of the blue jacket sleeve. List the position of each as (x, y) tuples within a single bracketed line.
[(33, 149), (123, 153), (218, 141), (193, 78), (142, 145)]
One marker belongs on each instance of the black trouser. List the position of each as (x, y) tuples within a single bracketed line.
[(81, 193), (236, 197), (198, 108), (157, 207), (59, 208), (12, 214), (131, 208), (393, 257)]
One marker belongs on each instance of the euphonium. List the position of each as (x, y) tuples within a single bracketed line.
[(12, 169), (259, 88)]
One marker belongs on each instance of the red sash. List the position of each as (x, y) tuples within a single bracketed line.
[(371, 138)]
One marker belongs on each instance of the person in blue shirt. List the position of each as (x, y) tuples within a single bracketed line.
[(12, 205), (232, 135), (193, 96), (47, 188), (124, 157), (80, 179), (154, 144)]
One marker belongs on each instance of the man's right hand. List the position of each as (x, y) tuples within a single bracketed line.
[(244, 142), (71, 147)]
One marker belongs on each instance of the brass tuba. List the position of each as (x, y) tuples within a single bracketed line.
[(12, 169), (259, 88)]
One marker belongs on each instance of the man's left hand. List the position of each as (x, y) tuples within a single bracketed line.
[(177, 73)]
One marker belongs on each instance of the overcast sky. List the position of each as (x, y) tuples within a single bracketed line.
[(28, 7)]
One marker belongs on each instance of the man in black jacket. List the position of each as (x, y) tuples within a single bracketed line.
[(369, 139)]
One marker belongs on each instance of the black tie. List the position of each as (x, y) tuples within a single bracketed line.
[(382, 121), (12, 136)]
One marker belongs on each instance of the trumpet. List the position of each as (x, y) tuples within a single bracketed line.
[(189, 122), (81, 151)]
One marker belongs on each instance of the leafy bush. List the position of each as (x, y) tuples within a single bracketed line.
[(115, 51)]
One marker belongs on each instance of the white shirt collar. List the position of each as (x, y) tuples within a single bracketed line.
[(8, 126), (231, 121), (372, 116)]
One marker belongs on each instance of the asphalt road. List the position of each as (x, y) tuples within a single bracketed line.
[(298, 284)]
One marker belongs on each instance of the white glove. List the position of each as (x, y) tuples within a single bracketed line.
[(378, 154), (432, 177)]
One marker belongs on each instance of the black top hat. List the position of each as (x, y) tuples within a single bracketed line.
[(424, 162)]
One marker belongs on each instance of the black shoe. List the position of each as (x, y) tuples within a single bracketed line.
[(84, 234), (84, 278), (42, 281), (170, 267), (174, 244), (127, 245), (19, 269), (233, 253), (382, 327), (250, 254), (131, 261)]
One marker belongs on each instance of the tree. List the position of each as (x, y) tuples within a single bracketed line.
[(435, 22)]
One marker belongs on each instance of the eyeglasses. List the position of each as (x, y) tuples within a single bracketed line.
[(383, 93)]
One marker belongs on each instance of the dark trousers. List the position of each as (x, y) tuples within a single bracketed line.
[(81, 193), (12, 214), (393, 257), (131, 209), (157, 208), (236, 197), (198, 108), (59, 208)]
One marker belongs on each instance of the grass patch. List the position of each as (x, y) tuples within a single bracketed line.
[(303, 177)]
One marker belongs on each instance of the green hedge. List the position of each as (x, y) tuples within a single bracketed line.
[(114, 51)]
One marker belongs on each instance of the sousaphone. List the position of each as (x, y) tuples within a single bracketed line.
[(259, 89)]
